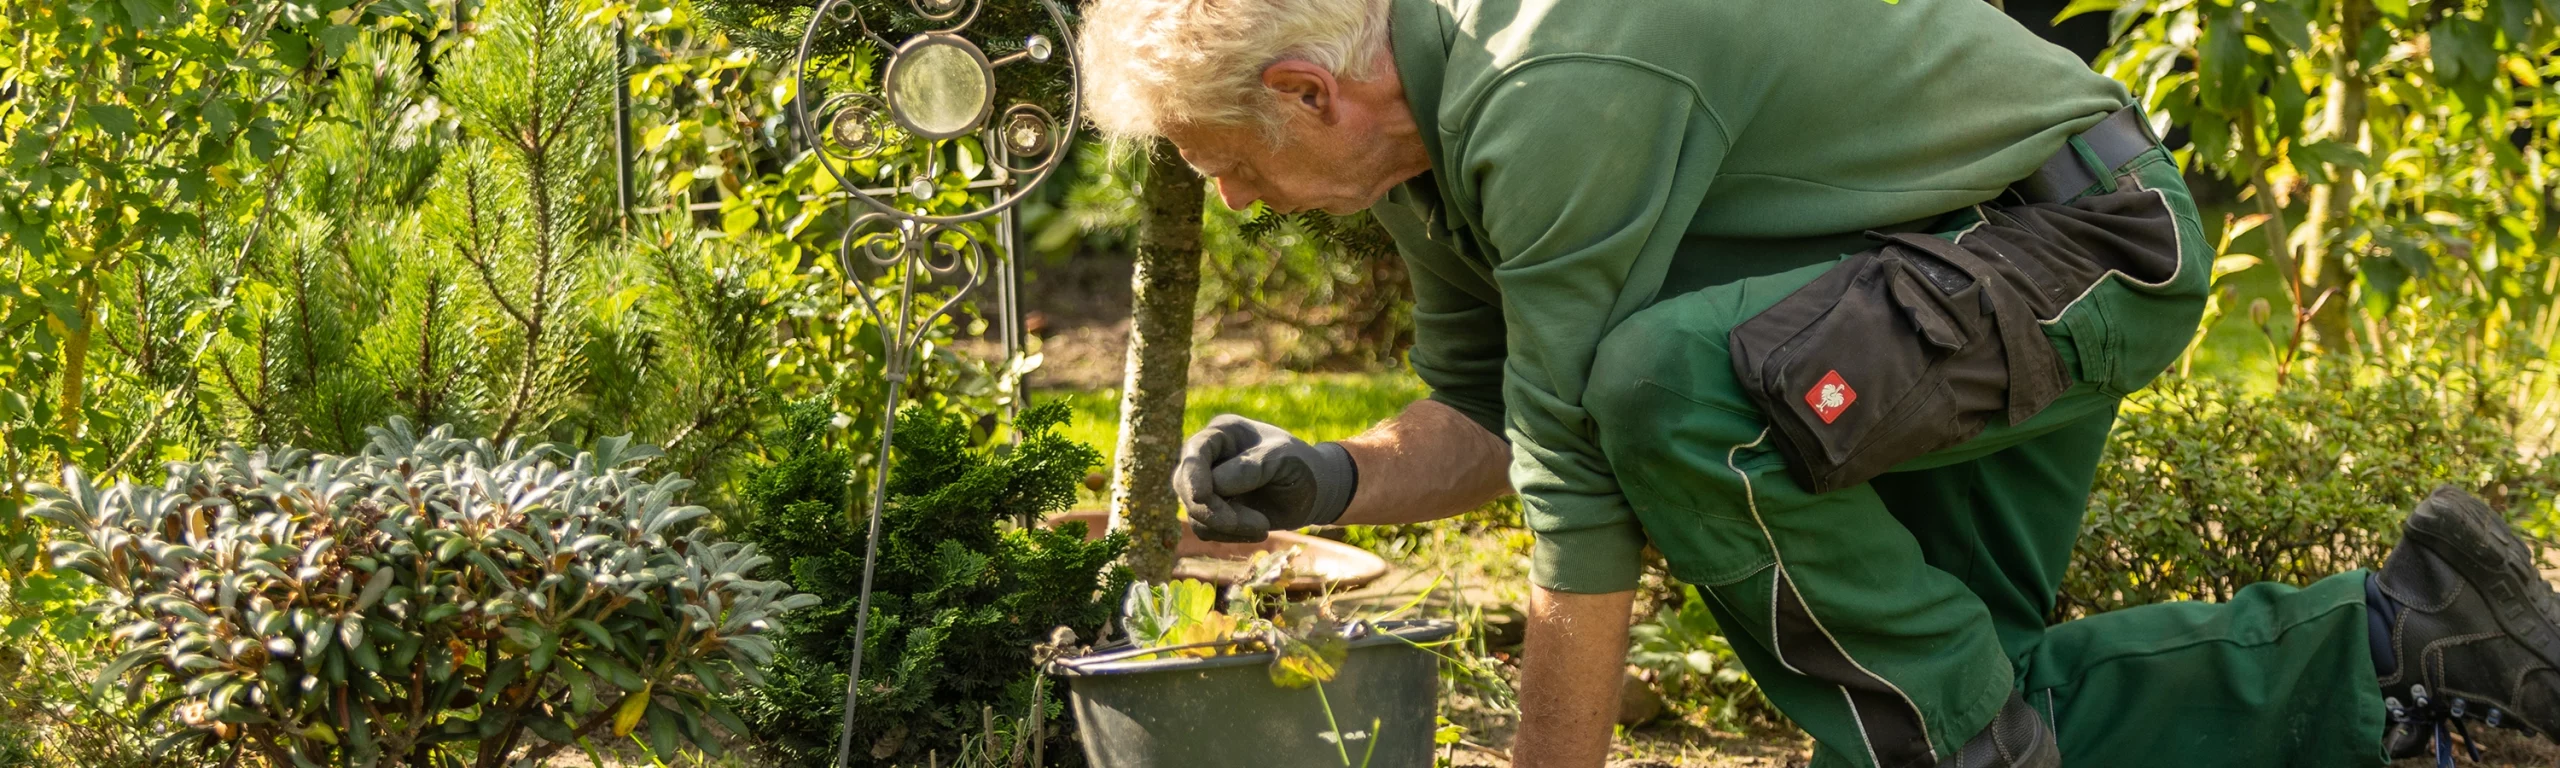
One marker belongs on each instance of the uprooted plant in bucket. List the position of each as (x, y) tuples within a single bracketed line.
[(1258, 680)]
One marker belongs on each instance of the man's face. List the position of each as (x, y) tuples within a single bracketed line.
[(1313, 166)]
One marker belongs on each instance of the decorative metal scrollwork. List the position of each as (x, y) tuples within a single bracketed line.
[(939, 85), (1028, 131), (938, 170), (855, 128)]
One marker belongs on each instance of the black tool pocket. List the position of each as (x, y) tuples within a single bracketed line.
[(1856, 371), (1916, 345)]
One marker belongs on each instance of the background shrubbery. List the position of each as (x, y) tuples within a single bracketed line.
[(961, 594), (2208, 487)]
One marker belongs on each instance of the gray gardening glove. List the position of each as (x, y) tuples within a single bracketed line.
[(1241, 478)]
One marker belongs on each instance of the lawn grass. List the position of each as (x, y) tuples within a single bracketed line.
[(1314, 406)]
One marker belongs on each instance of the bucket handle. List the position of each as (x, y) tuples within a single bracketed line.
[(1151, 651)]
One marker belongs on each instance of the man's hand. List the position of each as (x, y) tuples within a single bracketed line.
[(1240, 479), (1570, 675)]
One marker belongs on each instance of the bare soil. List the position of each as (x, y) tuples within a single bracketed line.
[(1078, 309)]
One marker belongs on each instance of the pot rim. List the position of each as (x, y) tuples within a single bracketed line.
[(1407, 632)]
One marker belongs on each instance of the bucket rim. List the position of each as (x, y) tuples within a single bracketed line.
[(1404, 632)]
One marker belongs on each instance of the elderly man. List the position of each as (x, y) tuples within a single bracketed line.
[(1626, 224)]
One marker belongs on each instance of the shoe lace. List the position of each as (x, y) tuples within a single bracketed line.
[(2443, 720)]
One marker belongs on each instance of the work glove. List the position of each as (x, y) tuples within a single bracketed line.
[(1240, 479)]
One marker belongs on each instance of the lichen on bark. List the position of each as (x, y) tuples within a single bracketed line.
[(1165, 283)]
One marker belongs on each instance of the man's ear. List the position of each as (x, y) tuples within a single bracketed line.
[(1304, 85)]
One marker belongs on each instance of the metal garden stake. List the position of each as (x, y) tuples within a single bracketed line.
[(895, 147)]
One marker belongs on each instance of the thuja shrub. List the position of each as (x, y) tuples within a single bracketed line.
[(428, 601), (2207, 488), (961, 596)]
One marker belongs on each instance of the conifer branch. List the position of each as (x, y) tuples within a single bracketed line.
[(483, 266), (422, 404), (239, 393)]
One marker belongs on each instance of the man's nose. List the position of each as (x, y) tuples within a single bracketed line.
[(1236, 196)]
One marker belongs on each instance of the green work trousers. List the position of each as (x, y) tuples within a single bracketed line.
[(1892, 619)]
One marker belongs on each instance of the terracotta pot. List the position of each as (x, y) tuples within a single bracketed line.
[(1323, 565)]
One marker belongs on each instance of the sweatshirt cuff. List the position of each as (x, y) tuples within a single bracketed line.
[(1598, 560)]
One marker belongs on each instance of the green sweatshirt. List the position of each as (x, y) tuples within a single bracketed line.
[(1591, 157)]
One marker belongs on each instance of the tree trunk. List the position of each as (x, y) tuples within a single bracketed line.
[(2324, 266), (1165, 284)]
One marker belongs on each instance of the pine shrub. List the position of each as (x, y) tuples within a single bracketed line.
[(960, 595)]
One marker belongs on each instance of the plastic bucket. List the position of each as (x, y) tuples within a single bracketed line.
[(1223, 711)]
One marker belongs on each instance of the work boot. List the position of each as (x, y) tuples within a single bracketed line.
[(2474, 631), (2016, 738)]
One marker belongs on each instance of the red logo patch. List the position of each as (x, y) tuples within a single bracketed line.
[(1830, 396)]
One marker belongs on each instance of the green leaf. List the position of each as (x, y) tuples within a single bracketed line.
[(143, 13), (2383, 278), (689, 722), (1309, 649), (710, 679), (2078, 7), (115, 119), (359, 731), (405, 651), (2333, 154), (728, 720), (365, 657), (2224, 69), (218, 115), (489, 567), (293, 49), (163, 222), (972, 158), (2287, 22), (452, 546), (738, 220), (262, 139), (1297, 663), (334, 40), (374, 588), (551, 729), (503, 674), (582, 689), (614, 672), (2445, 49), (1156, 612), (662, 732), (593, 631)]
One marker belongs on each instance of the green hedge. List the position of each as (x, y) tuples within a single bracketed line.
[(2208, 487)]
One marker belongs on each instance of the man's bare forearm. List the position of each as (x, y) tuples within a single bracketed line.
[(1427, 463), (1570, 674), (1432, 462)]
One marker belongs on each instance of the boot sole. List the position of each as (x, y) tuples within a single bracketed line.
[(2461, 530)]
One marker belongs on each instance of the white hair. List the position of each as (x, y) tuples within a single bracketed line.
[(1151, 64)]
